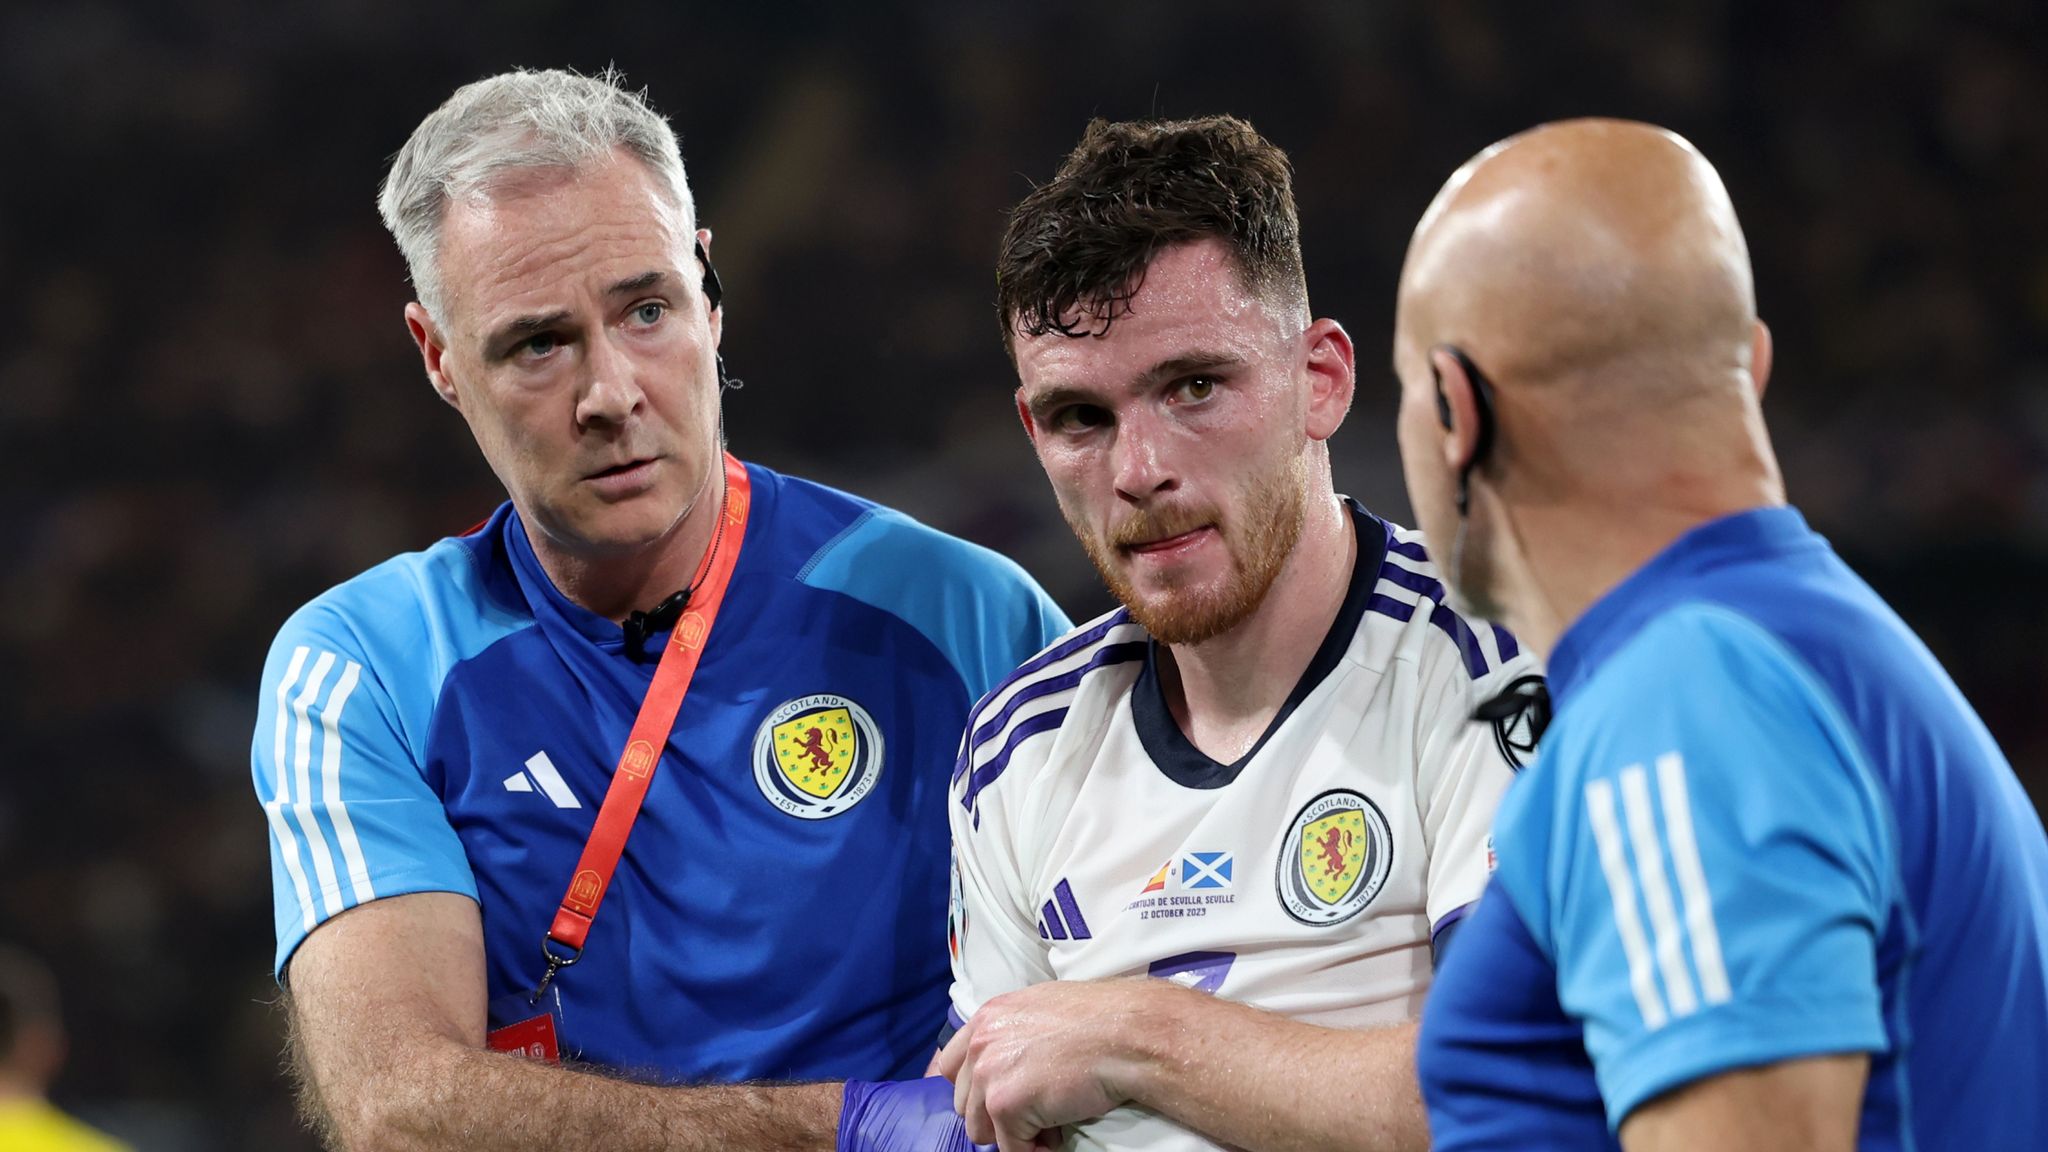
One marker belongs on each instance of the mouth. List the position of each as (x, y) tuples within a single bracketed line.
[(622, 469), (1168, 544), (624, 480)]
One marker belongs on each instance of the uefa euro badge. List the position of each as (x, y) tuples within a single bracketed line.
[(956, 914), (1336, 858), (817, 756)]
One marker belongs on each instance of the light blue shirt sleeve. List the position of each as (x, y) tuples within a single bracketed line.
[(336, 766), (976, 606), (1720, 861)]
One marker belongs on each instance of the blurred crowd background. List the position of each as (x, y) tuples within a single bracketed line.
[(211, 410)]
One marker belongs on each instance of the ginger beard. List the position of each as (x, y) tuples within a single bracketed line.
[(1259, 540)]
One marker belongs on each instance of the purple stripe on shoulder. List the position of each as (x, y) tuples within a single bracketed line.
[(1388, 606), (1413, 581), (1505, 641), (1451, 624), (1059, 652), (987, 773), (1030, 667), (1406, 548), (1460, 633), (954, 1019), (1112, 654)]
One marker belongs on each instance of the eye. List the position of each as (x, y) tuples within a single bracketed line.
[(1078, 418), (1197, 387), (539, 346), (650, 312)]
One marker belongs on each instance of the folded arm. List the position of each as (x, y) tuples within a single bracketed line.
[(1807, 1105), (1053, 1054), (388, 1022)]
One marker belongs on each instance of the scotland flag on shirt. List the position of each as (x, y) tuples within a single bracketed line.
[(1763, 826), (449, 722)]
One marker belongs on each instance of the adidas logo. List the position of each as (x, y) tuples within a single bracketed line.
[(1061, 916), (541, 771)]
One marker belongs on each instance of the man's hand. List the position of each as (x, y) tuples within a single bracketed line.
[(1039, 1058), (1053, 1054)]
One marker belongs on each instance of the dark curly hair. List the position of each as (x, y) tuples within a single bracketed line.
[(1127, 192)]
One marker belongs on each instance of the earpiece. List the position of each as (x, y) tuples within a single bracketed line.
[(1482, 406), (714, 292)]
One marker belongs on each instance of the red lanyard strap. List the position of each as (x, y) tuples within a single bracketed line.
[(650, 733)]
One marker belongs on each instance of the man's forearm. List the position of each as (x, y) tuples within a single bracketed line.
[(444, 1097), (1262, 1082)]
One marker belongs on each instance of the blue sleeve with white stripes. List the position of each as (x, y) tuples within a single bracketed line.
[(351, 817), (1722, 862)]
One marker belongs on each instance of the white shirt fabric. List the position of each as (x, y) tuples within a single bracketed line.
[(1092, 840)]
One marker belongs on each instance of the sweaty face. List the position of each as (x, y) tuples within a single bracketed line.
[(579, 347), (1175, 443)]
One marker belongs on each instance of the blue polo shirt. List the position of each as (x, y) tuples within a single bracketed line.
[(1764, 825), (448, 721)]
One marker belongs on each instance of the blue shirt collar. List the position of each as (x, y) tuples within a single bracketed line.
[(557, 612), (1626, 607), (549, 606)]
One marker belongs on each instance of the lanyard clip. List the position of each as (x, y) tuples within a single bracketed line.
[(556, 962)]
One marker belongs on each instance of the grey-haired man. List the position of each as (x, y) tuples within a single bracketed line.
[(648, 772)]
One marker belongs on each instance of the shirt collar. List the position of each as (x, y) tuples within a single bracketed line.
[(1626, 607), (549, 605), (1170, 749)]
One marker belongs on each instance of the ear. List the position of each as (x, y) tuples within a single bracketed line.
[(1456, 407), (433, 352), (1333, 377), (1760, 354), (1024, 417), (717, 314)]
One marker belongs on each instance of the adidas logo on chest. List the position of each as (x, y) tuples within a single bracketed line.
[(540, 773)]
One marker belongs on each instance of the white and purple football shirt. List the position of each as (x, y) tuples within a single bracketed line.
[(1309, 877)]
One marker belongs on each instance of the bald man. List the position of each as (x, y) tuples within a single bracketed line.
[(1769, 884)]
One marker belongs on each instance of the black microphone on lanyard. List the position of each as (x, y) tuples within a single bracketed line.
[(640, 626)]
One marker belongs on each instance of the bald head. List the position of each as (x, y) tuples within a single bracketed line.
[(1581, 247), (1593, 271)]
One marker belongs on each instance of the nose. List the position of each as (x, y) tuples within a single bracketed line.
[(1141, 460), (611, 391)]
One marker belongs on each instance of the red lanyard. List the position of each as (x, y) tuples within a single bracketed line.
[(650, 734)]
